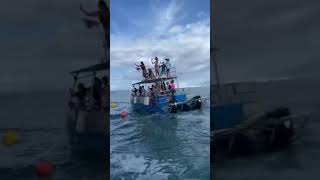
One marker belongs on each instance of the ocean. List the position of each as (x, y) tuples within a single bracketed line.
[(154, 146), (147, 146), (38, 118)]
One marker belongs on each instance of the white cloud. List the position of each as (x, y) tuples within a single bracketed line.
[(187, 46)]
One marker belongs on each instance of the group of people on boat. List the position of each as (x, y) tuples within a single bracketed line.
[(155, 88), (161, 69), (95, 96)]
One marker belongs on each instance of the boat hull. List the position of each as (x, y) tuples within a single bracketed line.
[(86, 131), (150, 109)]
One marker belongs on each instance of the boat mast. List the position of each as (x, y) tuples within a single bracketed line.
[(214, 51)]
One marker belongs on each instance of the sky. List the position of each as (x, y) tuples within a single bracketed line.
[(261, 40), (42, 41), (174, 29)]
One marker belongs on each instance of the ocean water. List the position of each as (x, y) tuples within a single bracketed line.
[(150, 146), (301, 160), (39, 121), (154, 146)]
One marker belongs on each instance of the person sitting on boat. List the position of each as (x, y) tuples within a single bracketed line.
[(143, 91), (172, 86), (135, 90), (152, 95), (160, 90), (150, 74), (169, 87), (156, 66), (103, 14), (96, 92), (140, 90), (81, 95), (168, 67), (143, 68), (163, 86)]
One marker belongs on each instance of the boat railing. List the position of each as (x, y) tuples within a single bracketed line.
[(173, 71), (88, 103), (234, 93)]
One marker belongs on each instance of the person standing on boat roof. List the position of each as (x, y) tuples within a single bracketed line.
[(143, 68), (151, 75), (163, 69), (168, 67), (156, 66), (103, 14)]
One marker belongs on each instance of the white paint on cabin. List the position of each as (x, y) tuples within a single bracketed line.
[(146, 100)]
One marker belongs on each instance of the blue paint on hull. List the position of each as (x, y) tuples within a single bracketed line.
[(151, 109), (162, 104), (226, 116)]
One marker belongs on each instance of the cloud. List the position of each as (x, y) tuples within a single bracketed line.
[(41, 42), (270, 39), (187, 46)]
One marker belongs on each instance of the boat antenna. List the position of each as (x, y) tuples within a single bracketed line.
[(215, 50)]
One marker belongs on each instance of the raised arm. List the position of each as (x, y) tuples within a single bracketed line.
[(91, 14)]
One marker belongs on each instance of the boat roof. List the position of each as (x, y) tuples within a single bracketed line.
[(93, 68), (154, 80)]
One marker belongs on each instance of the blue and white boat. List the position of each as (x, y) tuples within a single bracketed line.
[(86, 123), (238, 125), (165, 101)]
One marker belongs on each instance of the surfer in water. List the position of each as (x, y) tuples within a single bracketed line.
[(103, 14)]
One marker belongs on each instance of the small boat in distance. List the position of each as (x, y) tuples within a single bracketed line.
[(162, 96)]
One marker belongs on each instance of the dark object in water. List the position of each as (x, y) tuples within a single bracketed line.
[(278, 113), (192, 104), (282, 136), (195, 102), (173, 108)]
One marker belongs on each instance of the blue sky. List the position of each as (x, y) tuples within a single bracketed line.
[(175, 29)]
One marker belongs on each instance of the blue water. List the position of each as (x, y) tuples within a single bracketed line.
[(154, 146), (39, 121)]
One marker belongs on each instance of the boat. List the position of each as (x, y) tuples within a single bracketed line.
[(85, 120), (238, 127), (87, 107), (166, 101)]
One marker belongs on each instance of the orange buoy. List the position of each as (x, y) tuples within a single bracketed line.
[(124, 114), (44, 168)]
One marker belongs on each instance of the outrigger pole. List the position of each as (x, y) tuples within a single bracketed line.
[(214, 50)]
